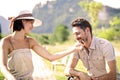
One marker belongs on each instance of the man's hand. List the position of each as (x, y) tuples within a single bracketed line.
[(84, 76), (77, 78)]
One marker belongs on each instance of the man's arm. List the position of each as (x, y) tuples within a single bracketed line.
[(111, 75), (71, 71), (109, 54), (70, 68)]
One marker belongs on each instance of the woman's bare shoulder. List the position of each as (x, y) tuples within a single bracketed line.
[(33, 42), (30, 38), (5, 39), (5, 42)]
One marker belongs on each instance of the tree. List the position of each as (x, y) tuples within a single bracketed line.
[(93, 9), (61, 33), (115, 22), (115, 25), (112, 32)]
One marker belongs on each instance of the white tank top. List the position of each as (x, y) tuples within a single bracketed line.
[(20, 64)]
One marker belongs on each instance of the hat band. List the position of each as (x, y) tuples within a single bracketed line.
[(24, 15)]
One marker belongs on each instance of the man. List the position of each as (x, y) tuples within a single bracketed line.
[(95, 54)]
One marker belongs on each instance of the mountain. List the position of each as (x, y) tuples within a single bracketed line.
[(112, 11), (61, 12), (56, 12)]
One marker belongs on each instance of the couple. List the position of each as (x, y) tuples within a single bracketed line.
[(16, 58)]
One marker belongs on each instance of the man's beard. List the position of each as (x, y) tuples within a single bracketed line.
[(83, 40)]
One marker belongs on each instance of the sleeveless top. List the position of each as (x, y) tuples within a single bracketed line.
[(20, 63)]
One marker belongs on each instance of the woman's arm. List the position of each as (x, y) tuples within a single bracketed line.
[(45, 54), (4, 50)]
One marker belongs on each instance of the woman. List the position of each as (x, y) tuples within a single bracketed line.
[(15, 55)]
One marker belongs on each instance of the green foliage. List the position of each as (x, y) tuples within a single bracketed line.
[(2, 35), (107, 34), (118, 63), (1, 76), (63, 77), (41, 38), (117, 35), (115, 24), (93, 9), (52, 39), (44, 39), (61, 33)]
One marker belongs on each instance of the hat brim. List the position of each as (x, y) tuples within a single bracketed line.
[(36, 23)]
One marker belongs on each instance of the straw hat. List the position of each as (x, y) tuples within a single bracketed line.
[(25, 15)]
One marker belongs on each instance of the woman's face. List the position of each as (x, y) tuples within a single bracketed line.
[(28, 25)]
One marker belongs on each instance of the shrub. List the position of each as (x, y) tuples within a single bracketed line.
[(61, 33), (41, 38), (107, 34)]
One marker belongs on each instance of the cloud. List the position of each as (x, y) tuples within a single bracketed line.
[(110, 3), (13, 7)]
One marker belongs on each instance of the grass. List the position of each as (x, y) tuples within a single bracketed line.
[(60, 69), (118, 62), (1, 77), (59, 73)]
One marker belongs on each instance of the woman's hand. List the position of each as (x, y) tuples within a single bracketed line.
[(78, 46)]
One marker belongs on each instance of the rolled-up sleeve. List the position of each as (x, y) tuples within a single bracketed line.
[(108, 52)]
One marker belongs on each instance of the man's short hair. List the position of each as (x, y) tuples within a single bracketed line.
[(82, 23)]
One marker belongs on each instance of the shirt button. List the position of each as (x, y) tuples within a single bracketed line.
[(91, 67), (93, 75)]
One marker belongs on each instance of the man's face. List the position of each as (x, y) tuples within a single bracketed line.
[(80, 35)]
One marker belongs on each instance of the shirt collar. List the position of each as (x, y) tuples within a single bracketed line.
[(92, 45)]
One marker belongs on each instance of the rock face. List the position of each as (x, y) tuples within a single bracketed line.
[(63, 12), (4, 25)]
